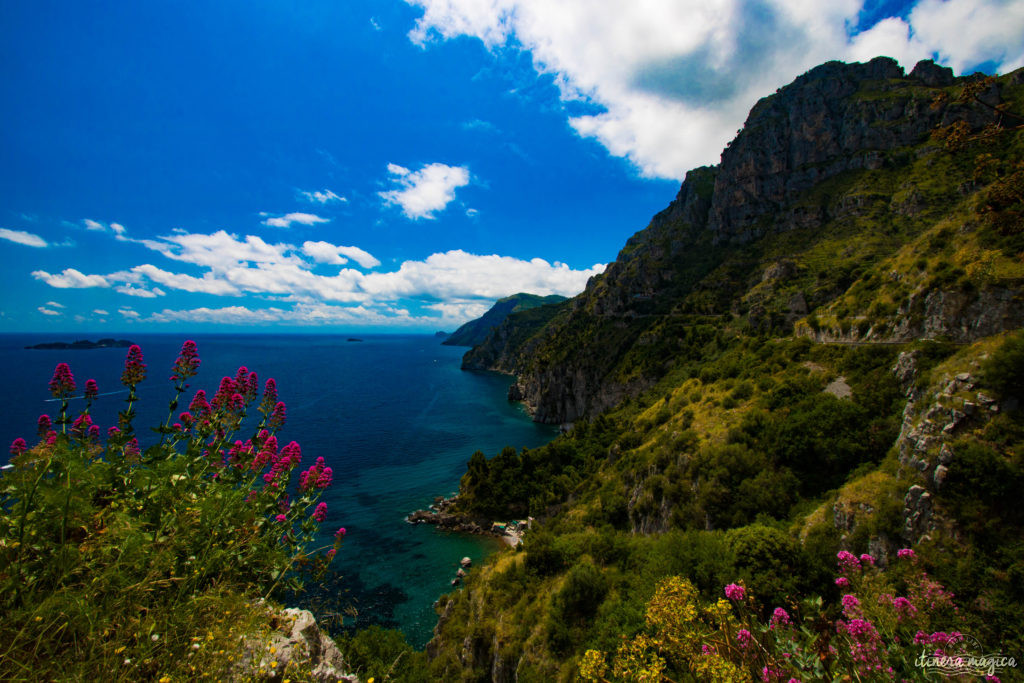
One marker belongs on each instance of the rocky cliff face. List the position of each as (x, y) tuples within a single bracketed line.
[(819, 158)]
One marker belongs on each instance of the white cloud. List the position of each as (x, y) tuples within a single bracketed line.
[(54, 304), (453, 284), (675, 80), (132, 290), (460, 275), (325, 252), (70, 279), (47, 311), (426, 191), (22, 237), (117, 229), (286, 220), (100, 311), (460, 312), (322, 197), (129, 313), (207, 284), (968, 32)]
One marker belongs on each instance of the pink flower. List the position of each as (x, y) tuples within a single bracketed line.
[(112, 432), (81, 426), (51, 437), (63, 383), (780, 617), (277, 417), (847, 561), (851, 605), (222, 399), (134, 368), (199, 404), (187, 363), (706, 649), (281, 518), (320, 513), (744, 638), (842, 582), (43, 425), (735, 592), (905, 554), (292, 453), (94, 433), (340, 533), (92, 390), (18, 446), (331, 553), (269, 397), (903, 607), (252, 386), (131, 449), (868, 560)]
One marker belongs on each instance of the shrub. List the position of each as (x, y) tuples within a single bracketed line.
[(113, 557)]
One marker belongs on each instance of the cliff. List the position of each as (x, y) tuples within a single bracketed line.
[(476, 331), (830, 191)]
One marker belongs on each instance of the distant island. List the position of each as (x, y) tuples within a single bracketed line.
[(354, 339), (442, 334), (84, 344)]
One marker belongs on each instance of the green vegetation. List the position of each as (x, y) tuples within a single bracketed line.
[(475, 331), (748, 422), (121, 563)]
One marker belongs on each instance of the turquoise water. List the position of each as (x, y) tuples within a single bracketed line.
[(394, 416)]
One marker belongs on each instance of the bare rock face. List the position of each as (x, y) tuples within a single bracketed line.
[(809, 131), (932, 75), (297, 639)]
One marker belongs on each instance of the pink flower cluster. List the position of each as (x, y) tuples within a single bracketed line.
[(320, 513), (43, 425), (851, 606), (18, 446), (744, 638), (62, 385), (134, 368), (848, 562), (780, 617), (92, 390), (316, 477), (187, 363), (735, 592), (905, 554), (865, 645)]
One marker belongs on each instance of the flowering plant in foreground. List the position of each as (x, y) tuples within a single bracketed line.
[(882, 624), (149, 528)]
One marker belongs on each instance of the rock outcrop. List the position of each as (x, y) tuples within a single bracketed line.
[(718, 251)]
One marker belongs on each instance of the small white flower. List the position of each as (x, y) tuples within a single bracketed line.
[(195, 646), (127, 662), (154, 637)]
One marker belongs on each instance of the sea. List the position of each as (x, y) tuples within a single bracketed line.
[(393, 415)]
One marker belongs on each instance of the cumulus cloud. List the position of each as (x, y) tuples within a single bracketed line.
[(325, 252), (322, 196), (22, 237), (129, 313), (47, 311), (54, 304), (424, 192), (100, 311), (286, 220), (70, 279), (458, 274), (675, 80), (456, 284)]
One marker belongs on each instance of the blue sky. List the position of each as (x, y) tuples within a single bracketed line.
[(387, 164)]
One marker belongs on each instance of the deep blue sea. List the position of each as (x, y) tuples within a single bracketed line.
[(393, 415)]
